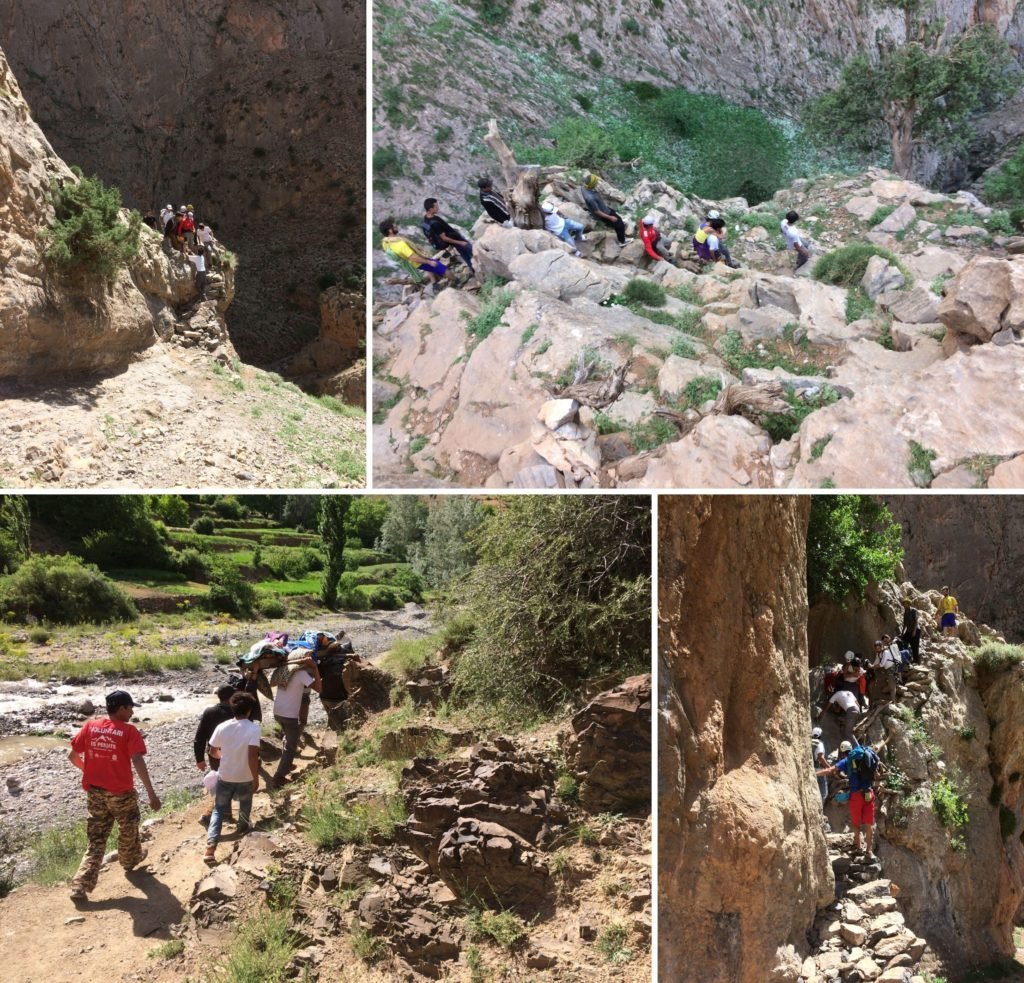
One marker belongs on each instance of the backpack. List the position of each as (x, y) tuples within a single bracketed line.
[(431, 234), (863, 764)]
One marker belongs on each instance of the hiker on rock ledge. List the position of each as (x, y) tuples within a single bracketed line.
[(600, 209), (656, 245), (948, 610), (493, 203), (441, 235), (403, 250), (105, 750)]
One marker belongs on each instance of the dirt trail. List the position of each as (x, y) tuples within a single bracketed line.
[(46, 937), (176, 419)]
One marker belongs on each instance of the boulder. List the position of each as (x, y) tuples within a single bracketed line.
[(881, 276), (762, 323), (977, 298), (965, 232), (903, 217), (555, 272), (677, 372), (495, 250), (915, 306), (556, 412), (609, 749), (863, 206)]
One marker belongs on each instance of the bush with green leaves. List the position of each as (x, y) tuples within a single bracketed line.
[(646, 292), (496, 301), (229, 507), (289, 562), (64, 590), (88, 236), (230, 592), (852, 541), (996, 657), (407, 584), (193, 563), (204, 525), (846, 265), (14, 532), (169, 509), (561, 592)]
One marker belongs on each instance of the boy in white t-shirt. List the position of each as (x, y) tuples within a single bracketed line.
[(236, 743), (288, 711), (795, 240)]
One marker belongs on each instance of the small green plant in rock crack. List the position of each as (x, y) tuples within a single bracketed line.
[(611, 943), (504, 928)]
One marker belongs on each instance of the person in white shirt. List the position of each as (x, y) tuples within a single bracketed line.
[(887, 664), (288, 713), (566, 229), (844, 702), (198, 260), (236, 745), (794, 240)]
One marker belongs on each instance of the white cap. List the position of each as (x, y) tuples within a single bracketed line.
[(845, 747), (816, 733), (713, 214), (547, 207), (849, 655), (649, 218), (168, 206)]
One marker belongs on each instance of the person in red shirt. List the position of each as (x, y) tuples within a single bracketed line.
[(655, 244), (105, 750)]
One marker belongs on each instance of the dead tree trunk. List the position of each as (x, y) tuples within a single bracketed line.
[(522, 182)]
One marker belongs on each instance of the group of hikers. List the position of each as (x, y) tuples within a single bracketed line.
[(227, 742), (183, 235), (708, 242), (846, 693)]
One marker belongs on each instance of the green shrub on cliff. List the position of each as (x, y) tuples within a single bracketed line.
[(64, 590), (88, 236)]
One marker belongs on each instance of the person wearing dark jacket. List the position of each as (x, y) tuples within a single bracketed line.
[(599, 208), (911, 633), (211, 719), (493, 203), (440, 234)]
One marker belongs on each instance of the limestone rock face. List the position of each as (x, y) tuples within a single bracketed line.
[(743, 859), (986, 297), (977, 550), (252, 112), (57, 323)]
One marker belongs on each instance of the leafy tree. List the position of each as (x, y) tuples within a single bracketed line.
[(852, 541), (447, 551), (64, 590), (170, 509), (301, 511), (88, 235), (333, 510), (14, 532), (924, 90), (366, 516), (405, 524), (561, 593)]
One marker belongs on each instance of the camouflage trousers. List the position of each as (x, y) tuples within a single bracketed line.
[(106, 808)]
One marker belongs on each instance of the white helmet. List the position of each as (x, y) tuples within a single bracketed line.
[(713, 214), (649, 218), (846, 747)]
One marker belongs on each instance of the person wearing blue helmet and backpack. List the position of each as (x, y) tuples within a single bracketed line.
[(859, 763)]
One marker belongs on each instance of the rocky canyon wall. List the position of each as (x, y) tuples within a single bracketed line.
[(973, 543), (253, 111), (743, 861)]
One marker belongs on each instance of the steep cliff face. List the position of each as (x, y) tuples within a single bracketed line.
[(251, 111), (743, 863), (51, 323), (976, 545), (772, 54)]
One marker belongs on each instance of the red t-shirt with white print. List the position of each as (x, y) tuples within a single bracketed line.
[(107, 747)]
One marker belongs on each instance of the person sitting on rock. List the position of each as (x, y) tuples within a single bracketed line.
[(567, 229), (655, 244), (404, 251), (707, 241), (600, 209), (846, 703), (723, 249), (859, 764), (948, 610), (911, 631), (794, 240), (440, 234), (493, 203)]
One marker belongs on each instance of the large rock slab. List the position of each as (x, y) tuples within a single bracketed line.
[(984, 291), (561, 275), (495, 250)]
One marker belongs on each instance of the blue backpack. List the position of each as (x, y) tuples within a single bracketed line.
[(863, 764)]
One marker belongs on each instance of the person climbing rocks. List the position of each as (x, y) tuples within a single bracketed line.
[(655, 244), (853, 679), (948, 610), (106, 750), (886, 666), (842, 701), (211, 718), (860, 764), (440, 234), (707, 241), (795, 241), (237, 742), (818, 760), (600, 209), (402, 249), (493, 203), (720, 234), (189, 228), (166, 216), (178, 239), (567, 229), (287, 713), (197, 258), (911, 630)]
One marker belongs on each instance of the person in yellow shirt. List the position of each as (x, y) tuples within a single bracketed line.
[(948, 610), (400, 247)]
